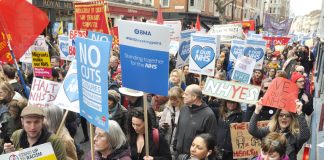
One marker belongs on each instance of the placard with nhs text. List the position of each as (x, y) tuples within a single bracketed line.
[(144, 56)]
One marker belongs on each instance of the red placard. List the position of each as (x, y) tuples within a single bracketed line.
[(21, 23), (282, 94), (278, 42), (91, 17)]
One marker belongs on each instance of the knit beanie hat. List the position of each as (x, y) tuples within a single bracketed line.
[(295, 76)]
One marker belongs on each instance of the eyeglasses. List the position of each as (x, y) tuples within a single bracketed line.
[(300, 81), (284, 115)]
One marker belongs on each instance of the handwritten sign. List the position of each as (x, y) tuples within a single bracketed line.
[(68, 94), (43, 92), (227, 32), (91, 17), (282, 94), (256, 50), (244, 145), (184, 48), (72, 35), (204, 49), (243, 69), (278, 42), (41, 152), (92, 65), (232, 91)]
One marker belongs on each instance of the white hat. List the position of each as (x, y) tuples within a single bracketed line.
[(130, 92)]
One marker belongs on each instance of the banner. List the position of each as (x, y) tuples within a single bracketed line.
[(91, 17), (184, 48), (243, 69), (256, 50), (92, 65), (68, 94), (204, 49), (227, 32), (23, 22), (279, 43), (72, 35), (144, 56), (41, 152), (282, 93), (43, 92), (63, 41), (232, 91), (243, 143), (277, 28), (237, 47)]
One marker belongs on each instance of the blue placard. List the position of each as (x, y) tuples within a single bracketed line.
[(144, 56), (99, 36), (93, 60)]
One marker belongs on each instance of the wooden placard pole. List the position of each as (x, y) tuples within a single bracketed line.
[(92, 142), (62, 123), (146, 126)]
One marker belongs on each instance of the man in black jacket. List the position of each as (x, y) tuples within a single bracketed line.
[(195, 118)]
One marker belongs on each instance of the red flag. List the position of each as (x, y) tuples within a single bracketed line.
[(198, 23), (22, 23), (159, 17)]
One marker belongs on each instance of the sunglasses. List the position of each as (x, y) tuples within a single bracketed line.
[(281, 115)]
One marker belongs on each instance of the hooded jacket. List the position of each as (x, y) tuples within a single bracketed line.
[(193, 121)]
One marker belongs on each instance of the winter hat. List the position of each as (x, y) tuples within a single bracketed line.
[(295, 76), (130, 92)]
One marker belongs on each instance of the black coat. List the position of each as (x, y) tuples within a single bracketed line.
[(120, 116), (193, 121), (307, 108), (139, 103)]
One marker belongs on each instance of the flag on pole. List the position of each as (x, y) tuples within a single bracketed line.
[(159, 17), (23, 29), (198, 23)]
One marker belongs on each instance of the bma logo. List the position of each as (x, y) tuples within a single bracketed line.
[(142, 32)]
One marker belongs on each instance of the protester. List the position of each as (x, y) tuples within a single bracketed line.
[(170, 114), (202, 148), (305, 98), (257, 77), (273, 147), (158, 147), (110, 145), (289, 65), (158, 104), (10, 75), (229, 112), (114, 66), (293, 125), (55, 62), (177, 79), (53, 119), (272, 73), (190, 77), (195, 118), (301, 70), (117, 112), (34, 133), (15, 107)]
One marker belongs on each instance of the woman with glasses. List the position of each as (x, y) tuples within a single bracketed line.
[(273, 147), (292, 125), (305, 98), (110, 145), (229, 112)]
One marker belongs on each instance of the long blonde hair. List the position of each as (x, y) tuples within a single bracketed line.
[(175, 92), (293, 126), (181, 76)]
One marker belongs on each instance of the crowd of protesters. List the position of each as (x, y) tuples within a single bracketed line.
[(183, 125)]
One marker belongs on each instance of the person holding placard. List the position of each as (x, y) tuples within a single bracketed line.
[(34, 133), (292, 125), (158, 146), (110, 145), (229, 112)]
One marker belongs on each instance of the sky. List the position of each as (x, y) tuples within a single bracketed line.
[(303, 7)]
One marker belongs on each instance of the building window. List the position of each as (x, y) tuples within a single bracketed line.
[(270, 10), (192, 3), (165, 3)]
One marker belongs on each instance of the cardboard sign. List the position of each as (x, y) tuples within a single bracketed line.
[(227, 32), (174, 47), (144, 56), (256, 50), (91, 17), (72, 35), (204, 49), (244, 145), (237, 48), (41, 152), (184, 48), (243, 69), (64, 47), (43, 92), (40, 58), (92, 64), (282, 94), (232, 91), (68, 94)]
